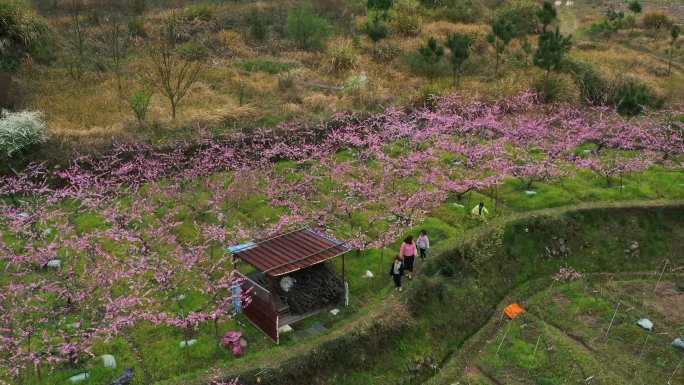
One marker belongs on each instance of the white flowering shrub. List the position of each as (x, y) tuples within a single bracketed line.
[(19, 130)]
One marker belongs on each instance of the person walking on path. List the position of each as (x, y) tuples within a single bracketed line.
[(423, 244), (408, 253), (480, 210), (397, 271)]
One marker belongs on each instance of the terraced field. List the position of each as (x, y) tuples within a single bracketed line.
[(586, 332)]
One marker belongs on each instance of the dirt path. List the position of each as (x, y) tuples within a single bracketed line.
[(392, 307)]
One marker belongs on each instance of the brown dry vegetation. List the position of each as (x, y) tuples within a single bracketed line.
[(230, 95)]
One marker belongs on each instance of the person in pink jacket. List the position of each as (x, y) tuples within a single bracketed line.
[(408, 252)]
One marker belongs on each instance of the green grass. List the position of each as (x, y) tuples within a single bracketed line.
[(195, 206), (88, 222), (264, 65), (656, 183), (569, 325)]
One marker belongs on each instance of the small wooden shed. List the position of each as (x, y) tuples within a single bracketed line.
[(275, 258)]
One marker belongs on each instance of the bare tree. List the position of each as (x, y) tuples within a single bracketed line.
[(171, 73), (77, 41), (114, 42)]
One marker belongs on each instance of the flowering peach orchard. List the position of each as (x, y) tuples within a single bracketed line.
[(95, 249)]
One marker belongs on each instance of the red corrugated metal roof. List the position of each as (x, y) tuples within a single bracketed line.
[(289, 252)]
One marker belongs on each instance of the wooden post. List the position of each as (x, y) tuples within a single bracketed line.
[(344, 278), (344, 282)]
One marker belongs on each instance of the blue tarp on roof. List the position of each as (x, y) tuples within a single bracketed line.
[(240, 247)]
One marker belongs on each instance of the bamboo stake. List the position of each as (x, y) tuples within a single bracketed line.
[(571, 373), (612, 319), (535, 347), (669, 381), (660, 276), (643, 347), (504, 338)]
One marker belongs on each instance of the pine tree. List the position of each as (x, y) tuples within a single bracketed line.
[(635, 7), (547, 14), (552, 49), (459, 45), (503, 32)]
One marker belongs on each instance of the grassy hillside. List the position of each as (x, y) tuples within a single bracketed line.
[(456, 325), (596, 241), (241, 119), (255, 72), (565, 336)]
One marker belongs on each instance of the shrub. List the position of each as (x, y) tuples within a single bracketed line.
[(635, 7), (287, 81), (552, 49), (333, 9), (629, 21), (428, 60), (464, 11), (257, 25), (136, 28), (385, 52), (308, 30), (594, 88), (522, 15), (459, 46), (431, 51), (203, 12), (426, 287), (612, 22), (602, 27), (343, 57), (546, 14), (376, 29), (501, 35), (268, 66), (140, 105), (379, 5), (657, 21), (407, 20), (631, 97), (137, 6), (20, 33), (428, 96), (549, 88), (356, 83), (19, 130), (193, 51)]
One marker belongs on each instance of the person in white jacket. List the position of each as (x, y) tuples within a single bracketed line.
[(423, 244), (480, 210)]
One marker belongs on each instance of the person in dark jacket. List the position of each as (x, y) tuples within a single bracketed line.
[(397, 271)]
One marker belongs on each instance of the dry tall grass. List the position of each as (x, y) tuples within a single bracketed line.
[(229, 94)]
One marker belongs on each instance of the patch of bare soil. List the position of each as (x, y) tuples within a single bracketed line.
[(561, 300), (669, 301), (666, 300), (590, 321)]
